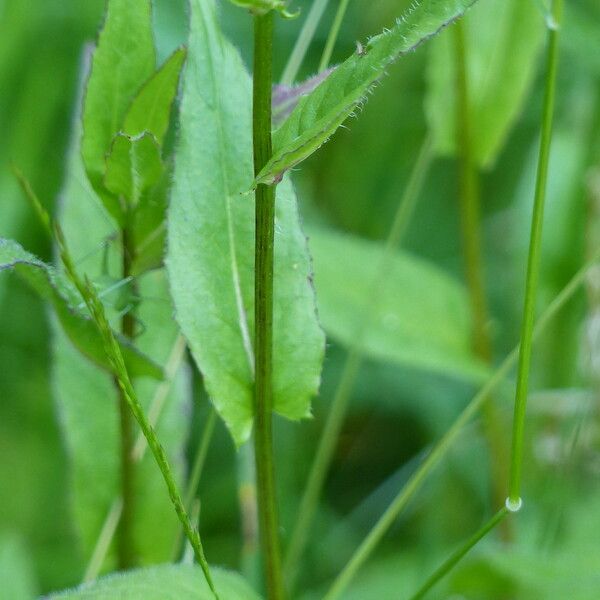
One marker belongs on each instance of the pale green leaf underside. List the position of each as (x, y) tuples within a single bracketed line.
[(319, 114), (123, 60), (420, 317), (80, 330), (503, 39), (151, 108), (210, 256), (165, 582), (133, 165)]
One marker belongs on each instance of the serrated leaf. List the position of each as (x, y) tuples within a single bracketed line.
[(319, 114), (210, 256), (151, 108), (122, 62), (133, 165), (165, 582), (421, 315), (80, 330), (503, 40)]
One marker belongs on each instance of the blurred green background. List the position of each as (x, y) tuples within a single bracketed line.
[(397, 412)]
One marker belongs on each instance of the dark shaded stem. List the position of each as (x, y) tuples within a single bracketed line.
[(460, 553), (125, 538), (470, 212), (533, 261), (263, 308)]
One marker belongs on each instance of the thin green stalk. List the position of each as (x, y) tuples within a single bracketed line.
[(456, 556), (333, 35), (113, 352), (303, 42), (263, 308), (368, 545), (126, 555), (470, 212), (533, 262), (335, 418)]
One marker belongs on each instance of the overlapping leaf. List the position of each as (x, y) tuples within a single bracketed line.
[(123, 60), (319, 114), (210, 257), (78, 328)]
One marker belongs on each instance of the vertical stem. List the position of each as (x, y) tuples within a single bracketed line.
[(263, 308), (470, 209), (126, 543), (533, 262)]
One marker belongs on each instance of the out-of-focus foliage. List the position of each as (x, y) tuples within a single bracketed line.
[(503, 39), (397, 412)]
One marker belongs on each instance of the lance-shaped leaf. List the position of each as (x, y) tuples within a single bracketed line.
[(210, 256), (503, 39), (151, 108), (416, 315), (319, 114), (123, 60), (133, 165), (164, 581), (78, 328)]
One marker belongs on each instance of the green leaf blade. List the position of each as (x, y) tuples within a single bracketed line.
[(79, 329), (319, 114), (210, 258), (123, 60), (163, 582), (133, 165), (151, 108)]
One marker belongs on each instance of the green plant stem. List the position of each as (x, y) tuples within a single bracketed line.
[(263, 308), (460, 552), (125, 539), (113, 352), (533, 262), (335, 418), (470, 212), (368, 545), (303, 42), (333, 35)]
